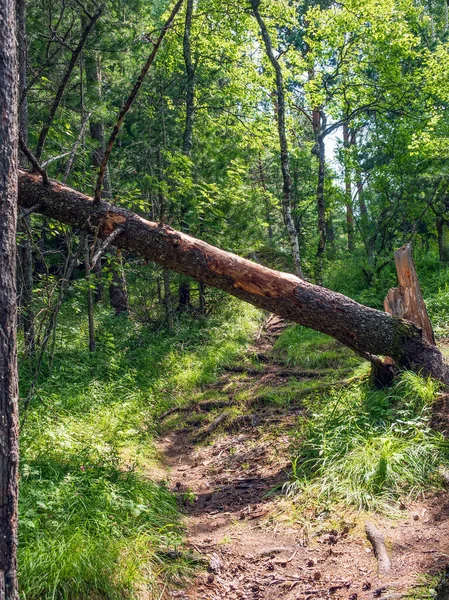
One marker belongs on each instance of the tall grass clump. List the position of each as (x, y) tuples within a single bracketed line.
[(369, 448)]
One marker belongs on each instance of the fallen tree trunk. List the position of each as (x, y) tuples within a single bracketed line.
[(367, 331)]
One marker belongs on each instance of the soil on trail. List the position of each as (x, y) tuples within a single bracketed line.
[(252, 549)]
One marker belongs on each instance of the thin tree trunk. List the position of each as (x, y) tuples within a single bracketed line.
[(365, 330), (184, 297), (348, 190), (93, 83), (9, 447), (443, 239), (168, 301), (281, 123), (187, 144), (118, 294), (321, 207), (90, 299), (202, 297), (24, 249)]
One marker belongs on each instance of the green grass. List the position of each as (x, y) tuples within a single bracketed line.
[(93, 523), (367, 449), (309, 349)]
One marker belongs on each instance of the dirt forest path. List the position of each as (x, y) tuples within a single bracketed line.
[(231, 488)]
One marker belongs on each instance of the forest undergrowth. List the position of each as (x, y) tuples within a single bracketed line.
[(94, 524)]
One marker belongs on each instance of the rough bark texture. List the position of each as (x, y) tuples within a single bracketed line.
[(285, 161), (365, 330), (24, 248), (407, 301), (9, 449)]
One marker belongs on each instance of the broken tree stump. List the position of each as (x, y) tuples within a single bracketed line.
[(406, 301)]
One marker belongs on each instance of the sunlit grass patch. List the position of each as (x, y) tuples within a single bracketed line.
[(368, 448), (306, 348)]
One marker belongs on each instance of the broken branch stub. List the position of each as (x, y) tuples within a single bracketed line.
[(406, 301)]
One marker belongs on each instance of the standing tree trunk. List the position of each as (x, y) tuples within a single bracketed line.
[(168, 301), (24, 249), (118, 293), (9, 447), (93, 83), (443, 238), (96, 126), (287, 201), (184, 302), (319, 125), (90, 298), (348, 189)]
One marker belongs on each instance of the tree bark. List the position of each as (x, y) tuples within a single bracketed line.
[(90, 298), (348, 190), (367, 331), (24, 248), (184, 297), (9, 448), (118, 294), (443, 239), (287, 201), (319, 125)]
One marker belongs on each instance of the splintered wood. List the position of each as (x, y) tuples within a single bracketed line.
[(406, 301)]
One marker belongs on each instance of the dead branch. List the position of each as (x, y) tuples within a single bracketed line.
[(130, 100)]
